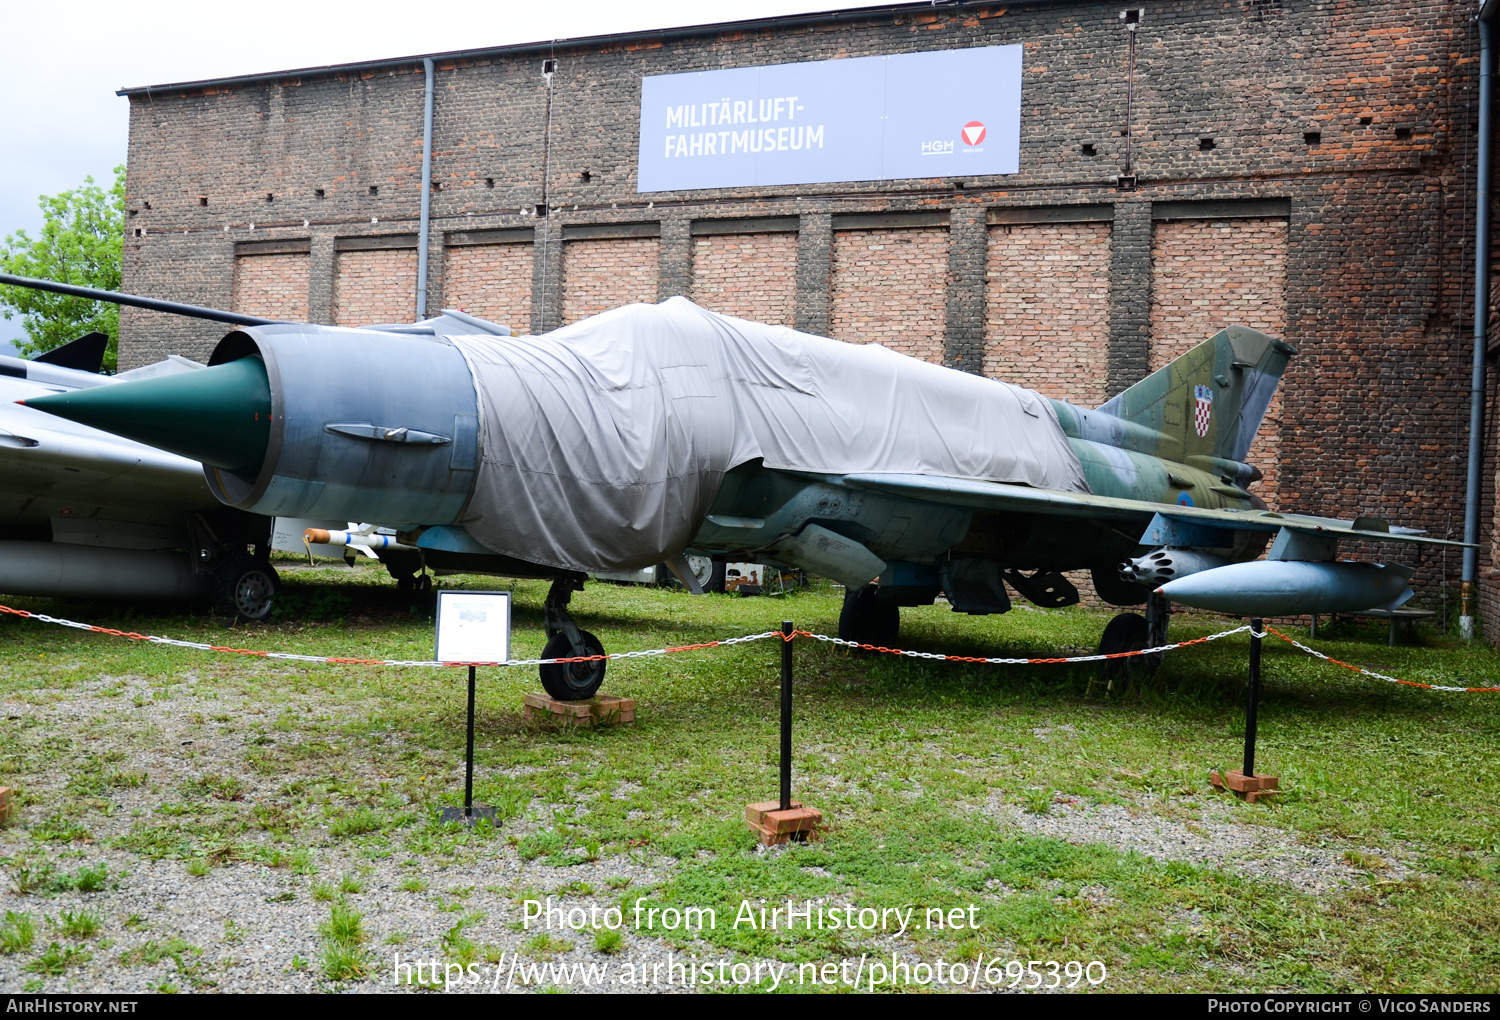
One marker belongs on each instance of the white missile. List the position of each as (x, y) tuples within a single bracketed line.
[(365, 542), (1292, 588)]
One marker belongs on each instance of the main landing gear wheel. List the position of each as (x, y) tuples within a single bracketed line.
[(1125, 633), (572, 681), (866, 620), (245, 588), (419, 584)]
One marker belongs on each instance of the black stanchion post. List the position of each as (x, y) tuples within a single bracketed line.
[(786, 714), (1246, 783), (469, 755), (1252, 696), (784, 820)]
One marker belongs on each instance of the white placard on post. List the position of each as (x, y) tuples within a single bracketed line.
[(473, 626)]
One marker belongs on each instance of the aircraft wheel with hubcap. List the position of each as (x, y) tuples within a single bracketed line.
[(1125, 633), (572, 681), (245, 588), (866, 620)]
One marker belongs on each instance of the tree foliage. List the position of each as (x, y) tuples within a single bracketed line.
[(81, 242)]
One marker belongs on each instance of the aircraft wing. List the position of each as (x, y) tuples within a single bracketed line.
[(1000, 496)]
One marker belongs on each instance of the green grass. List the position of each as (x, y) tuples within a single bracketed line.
[(934, 776), (80, 924), (153, 951), (55, 960), (17, 932), (344, 935)]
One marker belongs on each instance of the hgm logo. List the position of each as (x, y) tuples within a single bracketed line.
[(937, 148)]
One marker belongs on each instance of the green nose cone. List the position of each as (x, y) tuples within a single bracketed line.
[(220, 416)]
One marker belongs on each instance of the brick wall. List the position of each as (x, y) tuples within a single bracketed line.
[(1047, 309), (1208, 274), (753, 276), (492, 281), (602, 274), (375, 286), (891, 286), (273, 286)]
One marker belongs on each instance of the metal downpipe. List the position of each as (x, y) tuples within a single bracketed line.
[(426, 193), (1481, 315)]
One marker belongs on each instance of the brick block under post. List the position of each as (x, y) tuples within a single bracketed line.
[(321, 273), (968, 256), (814, 253), (1129, 296), (546, 276), (675, 276)]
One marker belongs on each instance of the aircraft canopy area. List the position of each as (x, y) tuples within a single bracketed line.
[(624, 424)]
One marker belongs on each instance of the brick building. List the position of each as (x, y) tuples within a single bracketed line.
[(1302, 167)]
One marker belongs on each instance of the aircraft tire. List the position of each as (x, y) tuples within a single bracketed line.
[(1125, 633), (572, 681), (245, 588), (866, 620)]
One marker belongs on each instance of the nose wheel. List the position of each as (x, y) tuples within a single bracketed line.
[(569, 681)]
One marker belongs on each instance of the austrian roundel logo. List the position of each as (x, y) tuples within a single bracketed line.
[(973, 133)]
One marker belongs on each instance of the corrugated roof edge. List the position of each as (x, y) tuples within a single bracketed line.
[(514, 49)]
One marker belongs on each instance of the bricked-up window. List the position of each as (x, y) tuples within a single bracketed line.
[(1046, 322), (273, 286), (375, 286), (1208, 274), (492, 281), (891, 286), (753, 276), (600, 274)]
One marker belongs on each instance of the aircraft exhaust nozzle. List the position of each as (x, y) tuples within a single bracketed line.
[(1292, 588), (1159, 566)]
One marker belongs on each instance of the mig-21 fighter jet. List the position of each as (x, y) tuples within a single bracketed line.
[(650, 431)]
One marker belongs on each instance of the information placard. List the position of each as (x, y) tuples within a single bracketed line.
[(939, 113), (473, 626)]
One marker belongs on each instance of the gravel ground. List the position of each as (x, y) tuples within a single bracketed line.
[(255, 928), (1221, 837)]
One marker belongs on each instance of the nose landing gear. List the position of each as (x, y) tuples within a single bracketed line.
[(569, 681)]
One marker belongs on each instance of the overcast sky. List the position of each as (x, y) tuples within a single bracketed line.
[(63, 121)]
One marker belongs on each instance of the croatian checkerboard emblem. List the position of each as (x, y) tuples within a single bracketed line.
[(1204, 404)]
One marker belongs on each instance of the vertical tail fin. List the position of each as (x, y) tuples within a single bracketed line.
[(1211, 399)]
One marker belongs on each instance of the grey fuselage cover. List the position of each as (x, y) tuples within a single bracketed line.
[(604, 443)]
